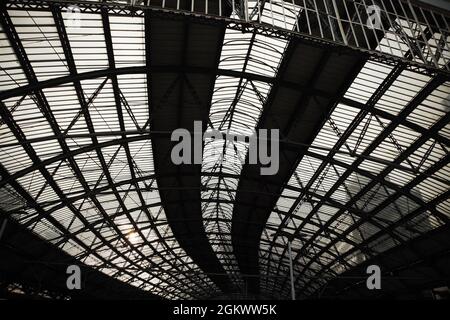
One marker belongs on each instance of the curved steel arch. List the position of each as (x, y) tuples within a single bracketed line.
[(95, 146), (115, 82)]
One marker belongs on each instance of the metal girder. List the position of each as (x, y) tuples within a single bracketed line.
[(41, 100), (28, 260), (85, 149), (123, 138), (175, 110), (268, 116), (392, 266), (368, 107), (417, 100), (108, 187), (118, 104), (343, 137), (177, 69), (244, 26)]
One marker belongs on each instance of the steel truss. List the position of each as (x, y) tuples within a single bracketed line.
[(145, 262)]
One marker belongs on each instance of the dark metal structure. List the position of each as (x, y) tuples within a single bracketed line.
[(91, 91)]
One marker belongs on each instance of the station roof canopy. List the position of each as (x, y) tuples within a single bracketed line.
[(90, 92)]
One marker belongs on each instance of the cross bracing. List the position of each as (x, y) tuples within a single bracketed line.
[(88, 106)]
